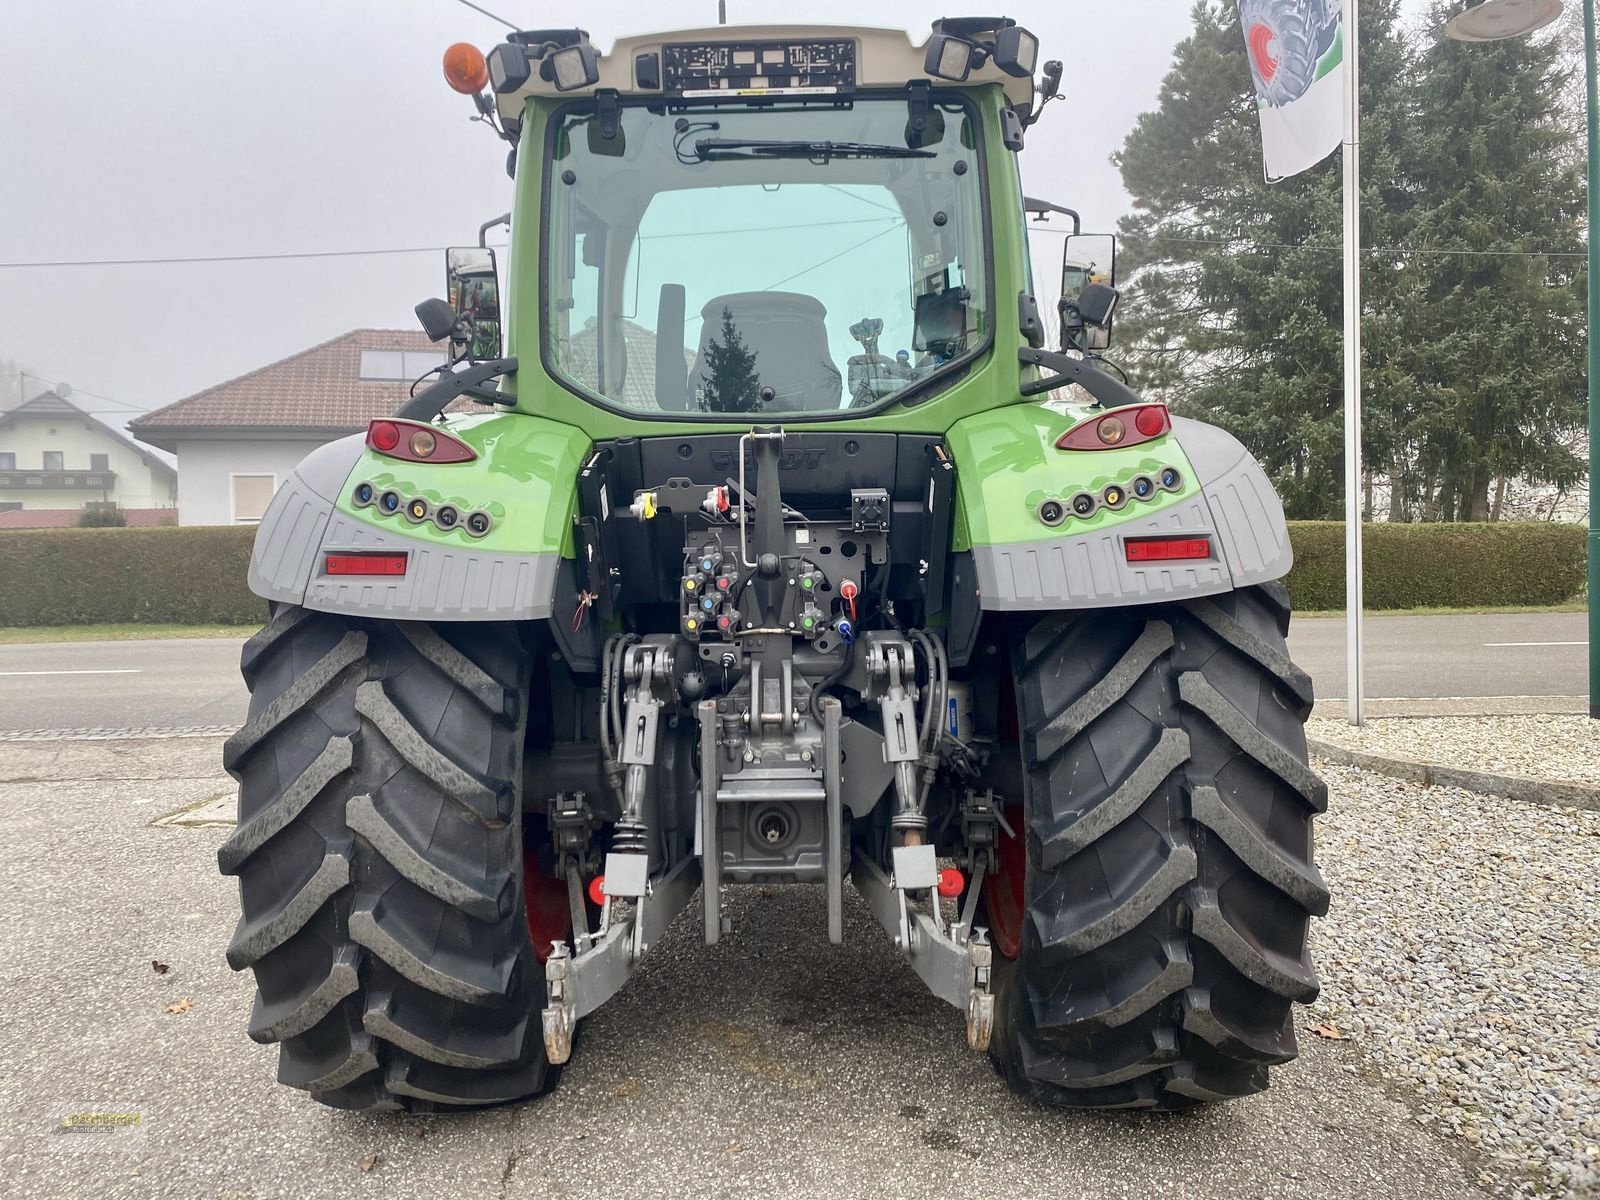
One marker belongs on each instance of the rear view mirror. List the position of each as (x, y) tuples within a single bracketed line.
[(437, 318), (1088, 291), (1096, 304), (475, 300)]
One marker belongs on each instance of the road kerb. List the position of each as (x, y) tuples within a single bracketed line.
[(1513, 787)]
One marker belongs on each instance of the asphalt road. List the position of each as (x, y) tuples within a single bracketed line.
[(193, 682), (772, 1064), (1501, 654)]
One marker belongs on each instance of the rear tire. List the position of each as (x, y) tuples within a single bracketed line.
[(379, 854), (1157, 940)]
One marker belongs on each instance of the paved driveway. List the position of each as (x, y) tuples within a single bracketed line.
[(772, 1064)]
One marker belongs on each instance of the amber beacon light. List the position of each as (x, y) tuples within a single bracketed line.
[(465, 68)]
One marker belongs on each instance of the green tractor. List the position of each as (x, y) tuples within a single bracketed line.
[(769, 545)]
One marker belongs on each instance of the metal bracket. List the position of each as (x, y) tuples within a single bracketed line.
[(980, 1000), (832, 782), (648, 669), (892, 682), (558, 1015), (744, 492), (609, 112), (627, 875), (981, 822), (576, 986), (918, 95), (955, 968), (710, 828), (571, 832)]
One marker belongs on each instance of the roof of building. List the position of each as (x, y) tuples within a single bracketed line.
[(67, 518), (318, 389), (52, 404)]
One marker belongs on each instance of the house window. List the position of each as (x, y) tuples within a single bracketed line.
[(8, 460), (99, 462), (52, 460), (251, 495), (397, 365)]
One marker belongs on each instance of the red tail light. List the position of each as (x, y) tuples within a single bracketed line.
[(364, 563), (1120, 427), (1166, 549), (414, 441)]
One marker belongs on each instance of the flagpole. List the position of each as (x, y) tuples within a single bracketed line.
[(1355, 664)]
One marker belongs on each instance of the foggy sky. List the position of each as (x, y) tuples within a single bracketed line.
[(199, 127)]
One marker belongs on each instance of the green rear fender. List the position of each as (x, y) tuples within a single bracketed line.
[(522, 479), (1008, 467)]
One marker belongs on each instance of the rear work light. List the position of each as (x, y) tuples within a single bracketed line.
[(414, 441), (1120, 427), (365, 563), (1166, 549)]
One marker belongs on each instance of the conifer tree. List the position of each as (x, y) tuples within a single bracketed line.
[(1498, 329), (1234, 309), (730, 384)]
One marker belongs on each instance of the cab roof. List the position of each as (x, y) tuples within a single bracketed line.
[(883, 58)]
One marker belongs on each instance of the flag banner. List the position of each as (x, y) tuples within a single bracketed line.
[(1297, 57)]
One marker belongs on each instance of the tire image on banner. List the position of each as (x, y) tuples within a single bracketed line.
[(1296, 52)]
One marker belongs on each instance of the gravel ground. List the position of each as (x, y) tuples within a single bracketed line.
[(1460, 963), (1562, 747), (1463, 955)]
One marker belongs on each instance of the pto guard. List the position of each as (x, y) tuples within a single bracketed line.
[(443, 582), (1234, 505)]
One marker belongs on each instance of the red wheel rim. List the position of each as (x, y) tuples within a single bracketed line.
[(549, 914), (1003, 890), (1261, 39)]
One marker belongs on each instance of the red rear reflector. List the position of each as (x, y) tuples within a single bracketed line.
[(952, 882), (1166, 549), (597, 890), (383, 435), (364, 564), (1152, 422)]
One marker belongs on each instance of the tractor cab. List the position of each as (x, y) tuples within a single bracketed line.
[(785, 223)]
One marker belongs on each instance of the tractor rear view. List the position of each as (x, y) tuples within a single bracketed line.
[(773, 547)]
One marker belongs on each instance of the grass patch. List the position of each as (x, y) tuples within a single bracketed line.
[(1572, 606), (24, 634)]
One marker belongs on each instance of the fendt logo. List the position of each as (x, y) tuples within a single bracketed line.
[(788, 460)]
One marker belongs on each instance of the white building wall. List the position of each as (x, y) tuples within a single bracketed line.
[(206, 470), (137, 485)]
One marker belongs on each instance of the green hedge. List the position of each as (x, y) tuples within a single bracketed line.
[(1440, 566), (191, 576), (197, 575)]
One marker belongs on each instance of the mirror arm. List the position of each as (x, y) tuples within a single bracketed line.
[(1043, 208), (1108, 392), (483, 230), (431, 401)]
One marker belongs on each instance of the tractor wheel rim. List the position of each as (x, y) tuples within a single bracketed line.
[(1004, 895), (545, 898)]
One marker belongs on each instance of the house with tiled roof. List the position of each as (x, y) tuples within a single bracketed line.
[(237, 441), (56, 457)]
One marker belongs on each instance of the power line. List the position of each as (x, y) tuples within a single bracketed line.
[(487, 13), (1428, 253), (1244, 244), (220, 258), (77, 391), (831, 258)]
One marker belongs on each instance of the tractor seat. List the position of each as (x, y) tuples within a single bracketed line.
[(788, 334)]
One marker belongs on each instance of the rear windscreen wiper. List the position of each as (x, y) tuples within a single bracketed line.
[(706, 149)]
